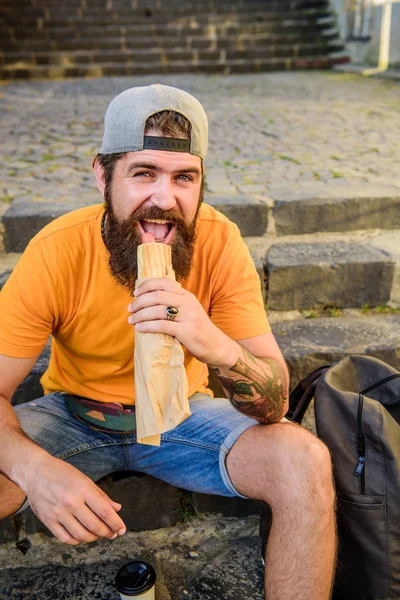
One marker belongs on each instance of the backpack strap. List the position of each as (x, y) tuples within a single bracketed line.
[(302, 395)]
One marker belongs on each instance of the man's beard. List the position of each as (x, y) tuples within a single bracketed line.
[(123, 238)]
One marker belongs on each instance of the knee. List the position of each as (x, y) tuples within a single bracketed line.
[(306, 468), (311, 469)]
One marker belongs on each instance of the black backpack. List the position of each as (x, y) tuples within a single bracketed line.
[(357, 415)]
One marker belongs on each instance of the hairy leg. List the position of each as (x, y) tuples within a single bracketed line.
[(11, 497), (290, 469)]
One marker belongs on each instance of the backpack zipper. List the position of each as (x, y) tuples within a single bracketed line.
[(381, 382), (360, 468)]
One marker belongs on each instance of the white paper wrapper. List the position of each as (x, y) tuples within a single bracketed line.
[(161, 386)]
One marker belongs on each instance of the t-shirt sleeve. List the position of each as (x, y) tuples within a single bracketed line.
[(237, 306), (27, 301)]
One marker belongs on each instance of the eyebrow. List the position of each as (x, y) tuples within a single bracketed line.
[(153, 167)]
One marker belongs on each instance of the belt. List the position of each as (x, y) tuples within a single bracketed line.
[(104, 416)]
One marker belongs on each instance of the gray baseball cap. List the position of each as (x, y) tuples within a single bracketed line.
[(127, 113)]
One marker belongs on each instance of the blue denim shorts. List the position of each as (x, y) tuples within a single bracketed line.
[(191, 456)]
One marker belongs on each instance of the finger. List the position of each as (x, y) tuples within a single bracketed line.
[(158, 283), (153, 313), (77, 530), (116, 505), (93, 524), (112, 502), (62, 534), (159, 326), (156, 298), (100, 505)]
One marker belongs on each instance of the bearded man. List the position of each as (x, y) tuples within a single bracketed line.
[(75, 282)]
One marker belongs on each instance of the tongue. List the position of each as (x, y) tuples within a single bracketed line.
[(159, 230), (148, 238)]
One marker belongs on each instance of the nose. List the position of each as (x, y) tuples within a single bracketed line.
[(164, 195)]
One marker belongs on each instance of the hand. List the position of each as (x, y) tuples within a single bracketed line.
[(73, 507), (192, 326)]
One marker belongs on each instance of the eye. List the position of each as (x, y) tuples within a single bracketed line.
[(142, 174), (183, 177)]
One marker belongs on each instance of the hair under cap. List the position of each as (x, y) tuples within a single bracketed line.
[(127, 113)]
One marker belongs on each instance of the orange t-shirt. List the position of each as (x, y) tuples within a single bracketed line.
[(62, 287)]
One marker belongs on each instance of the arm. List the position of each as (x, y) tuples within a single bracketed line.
[(255, 377), (252, 370), (64, 499), (17, 451)]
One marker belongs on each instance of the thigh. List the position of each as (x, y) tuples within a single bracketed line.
[(192, 456), (49, 424)]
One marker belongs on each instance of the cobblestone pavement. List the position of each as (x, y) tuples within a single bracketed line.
[(269, 133)]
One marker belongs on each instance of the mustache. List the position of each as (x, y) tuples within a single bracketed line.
[(154, 212)]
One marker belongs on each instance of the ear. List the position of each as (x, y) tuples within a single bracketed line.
[(99, 174)]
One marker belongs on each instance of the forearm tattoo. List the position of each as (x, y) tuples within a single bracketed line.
[(257, 387)]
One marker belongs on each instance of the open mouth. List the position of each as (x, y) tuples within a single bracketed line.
[(161, 229)]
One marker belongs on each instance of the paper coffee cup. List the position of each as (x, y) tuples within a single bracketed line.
[(136, 579)]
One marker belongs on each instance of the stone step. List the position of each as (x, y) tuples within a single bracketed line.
[(306, 344), (159, 4), (227, 27), (26, 23), (15, 59), (334, 270), (158, 68), (315, 208), (211, 557), (119, 41), (323, 276), (311, 343), (309, 209), (26, 216), (150, 8)]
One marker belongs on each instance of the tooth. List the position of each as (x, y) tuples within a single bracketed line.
[(161, 221)]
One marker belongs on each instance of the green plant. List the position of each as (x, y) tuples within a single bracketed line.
[(186, 508), (289, 158), (47, 157), (253, 162), (336, 174), (333, 311), (386, 310)]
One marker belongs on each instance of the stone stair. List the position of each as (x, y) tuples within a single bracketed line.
[(329, 290), (83, 38), (328, 261)]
